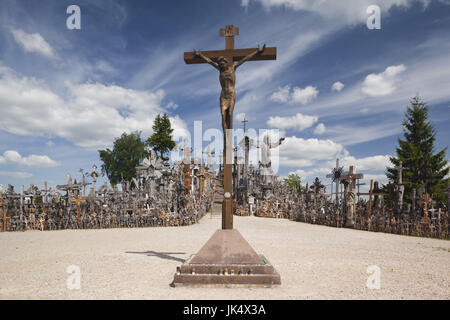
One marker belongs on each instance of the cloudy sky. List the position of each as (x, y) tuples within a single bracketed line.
[(337, 89)]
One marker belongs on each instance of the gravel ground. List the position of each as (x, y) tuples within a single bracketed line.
[(315, 262)]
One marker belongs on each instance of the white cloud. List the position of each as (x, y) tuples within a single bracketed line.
[(381, 178), (372, 168), (302, 173), (320, 129), (172, 105), (299, 122), (179, 127), (430, 77), (311, 173), (33, 42), (305, 152), (373, 163), (298, 95), (349, 11), (92, 114), (304, 96), (282, 94), (13, 157), (356, 133), (16, 175), (337, 86), (104, 67), (382, 84)]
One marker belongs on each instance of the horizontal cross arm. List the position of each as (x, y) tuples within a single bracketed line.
[(371, 194), (237, 54), (353, 176)]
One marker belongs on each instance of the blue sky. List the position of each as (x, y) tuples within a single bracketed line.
[(337, 89)]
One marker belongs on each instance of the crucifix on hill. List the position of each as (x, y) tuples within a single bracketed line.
[(224, 62), (351, 177)]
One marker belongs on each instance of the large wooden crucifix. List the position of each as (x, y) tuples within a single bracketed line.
[(350, 200), (224, 62)]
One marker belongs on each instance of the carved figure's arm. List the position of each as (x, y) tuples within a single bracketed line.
[(208, 60), (251, 55)]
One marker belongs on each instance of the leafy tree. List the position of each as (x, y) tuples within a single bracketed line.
[(416, 152), (390, 197), (161, 140), (120, 162), (294, 182)]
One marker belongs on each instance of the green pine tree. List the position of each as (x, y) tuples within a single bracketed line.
[(416, 152), (120, 163), (161, 140)]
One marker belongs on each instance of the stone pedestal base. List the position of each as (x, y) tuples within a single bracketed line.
[(227, 259)]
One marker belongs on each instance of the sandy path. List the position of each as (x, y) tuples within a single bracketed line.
[(315, 262)]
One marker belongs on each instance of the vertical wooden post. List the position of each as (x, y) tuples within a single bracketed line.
[(369, 209)]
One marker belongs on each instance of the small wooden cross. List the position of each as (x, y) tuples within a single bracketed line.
[(358, 184), (370, 194), (5, 221), (41, 223), (78, 201), (187, 178), (5, 217), (352, 176), (425, 200), (201, 176)]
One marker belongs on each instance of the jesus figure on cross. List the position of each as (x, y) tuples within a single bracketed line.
[(227, 82), (227, 61)]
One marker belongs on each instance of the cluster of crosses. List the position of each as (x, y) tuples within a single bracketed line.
[(160, 194), (188, 186)]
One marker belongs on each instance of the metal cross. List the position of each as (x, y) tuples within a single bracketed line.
[(244, 121)]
